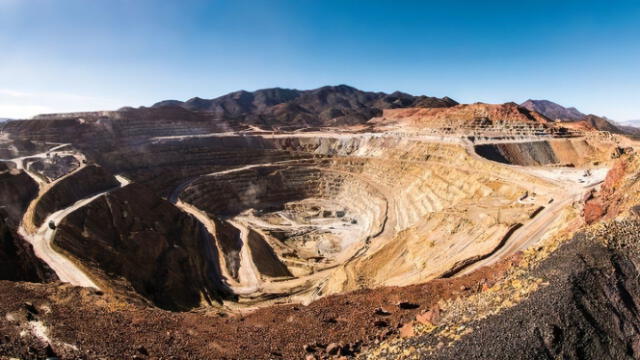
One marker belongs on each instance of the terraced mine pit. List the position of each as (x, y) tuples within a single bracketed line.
[(291, 224), (292, 217), (298, 216)]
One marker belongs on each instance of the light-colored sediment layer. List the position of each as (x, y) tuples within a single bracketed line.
[(370, 210)]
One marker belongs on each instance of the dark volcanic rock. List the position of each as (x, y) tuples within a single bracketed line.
[(55, 167), (165, 255), (588, 310), (17, 260), (86, 182), (264, 257), (17, 189)]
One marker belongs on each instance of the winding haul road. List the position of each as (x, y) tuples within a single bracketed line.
[(42, 238), (534, 230), (249, 280)]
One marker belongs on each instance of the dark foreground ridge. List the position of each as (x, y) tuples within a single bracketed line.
[(588, 309)]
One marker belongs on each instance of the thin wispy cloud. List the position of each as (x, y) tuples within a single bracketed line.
[(21, 104)]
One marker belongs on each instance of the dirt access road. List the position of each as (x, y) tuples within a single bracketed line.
[(574, 185), (42, 238)]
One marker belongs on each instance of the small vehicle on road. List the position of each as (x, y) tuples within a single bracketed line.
[(52, 225)]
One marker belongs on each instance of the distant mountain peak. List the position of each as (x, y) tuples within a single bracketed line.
[(553, 110), (325, 106)]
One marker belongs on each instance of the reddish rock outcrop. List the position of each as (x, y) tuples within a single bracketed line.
[(603, 203)]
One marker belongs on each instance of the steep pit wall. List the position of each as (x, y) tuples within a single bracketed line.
[(163, 254), (264, 257), (17, 189), (306, 211), (55, 167), (338, 211), (17, 259), (574, 152), (104, 131), (87, 181), (18, 262), (230, 244), (403, 191)]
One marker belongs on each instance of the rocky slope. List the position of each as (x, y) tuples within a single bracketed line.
[(17, 260), (463, 115), (17, 189), (602, 124), (566, 152), (553, 111), (586, 309), (160, 252), (88, 324), (326, 106), (87, 181), (560, 113)]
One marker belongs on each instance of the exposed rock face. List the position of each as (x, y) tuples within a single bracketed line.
[(164, 254), (605, 200), (17, 189), (560, 113), (229, 241), (19, 147), (601, 123), (534, 153), (553, 111), (459, 116), (55, 167), (588, 310), (99, 131), (264, 257), (17, 260), (87, 181), (552, 152)]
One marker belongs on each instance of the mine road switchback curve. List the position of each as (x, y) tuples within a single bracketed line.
[(42, 238)]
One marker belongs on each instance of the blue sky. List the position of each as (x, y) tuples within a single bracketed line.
[(72, 55)]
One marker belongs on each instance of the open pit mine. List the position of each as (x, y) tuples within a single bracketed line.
[(317, 224)]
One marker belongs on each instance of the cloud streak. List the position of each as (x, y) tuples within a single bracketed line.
[(20, 104)]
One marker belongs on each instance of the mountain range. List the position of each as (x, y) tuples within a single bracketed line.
[(325, 106), (558, 112), (553, 111)]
